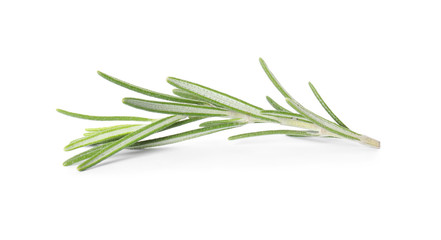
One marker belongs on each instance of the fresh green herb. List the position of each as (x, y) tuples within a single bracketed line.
[(273, 132), (194, 102), (104, 118)]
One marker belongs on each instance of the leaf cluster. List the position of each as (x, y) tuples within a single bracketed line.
[(194, 102)]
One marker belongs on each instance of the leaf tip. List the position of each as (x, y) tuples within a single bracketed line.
[(81, 168), (68, 148), (171, 80), (101, 73), (105, 76), (233, 137), (263, 64), (312, 87), (127, 100)]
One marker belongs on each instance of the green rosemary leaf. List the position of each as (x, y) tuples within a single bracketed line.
[(177, 124), (99, 137), (104, 129), (287, 115), (222, 122), (145, 91), (183, 122), (175, 108), (186, 94), (272, 132), (110, 130), (184, 136), (323, 123), (84, 155), (302, 134), (128, 140), (219, 98), (110, 140), (274, 79), (276, 105), (325, 106), (276, 113), (103, 118)]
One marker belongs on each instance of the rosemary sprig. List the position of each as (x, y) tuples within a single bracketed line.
[(194, 102)]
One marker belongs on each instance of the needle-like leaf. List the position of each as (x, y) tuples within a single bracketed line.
[(177, 124), (325, 106), (219, 98), (184, 136), (274, 79), (272, 132), (222, 122), (99, 137), (104, 129), (128, 140), (186, 94), (84, 155), (94, 131), (175, 108), (103, 118), (276, 113), (276, 105), (146, 91), (183, 122)]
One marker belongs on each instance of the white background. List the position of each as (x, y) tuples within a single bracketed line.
[(376, 63)]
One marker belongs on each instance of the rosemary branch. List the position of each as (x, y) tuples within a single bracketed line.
[(194, 102)]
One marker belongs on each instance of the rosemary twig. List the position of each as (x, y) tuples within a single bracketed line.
[(194, 102)]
